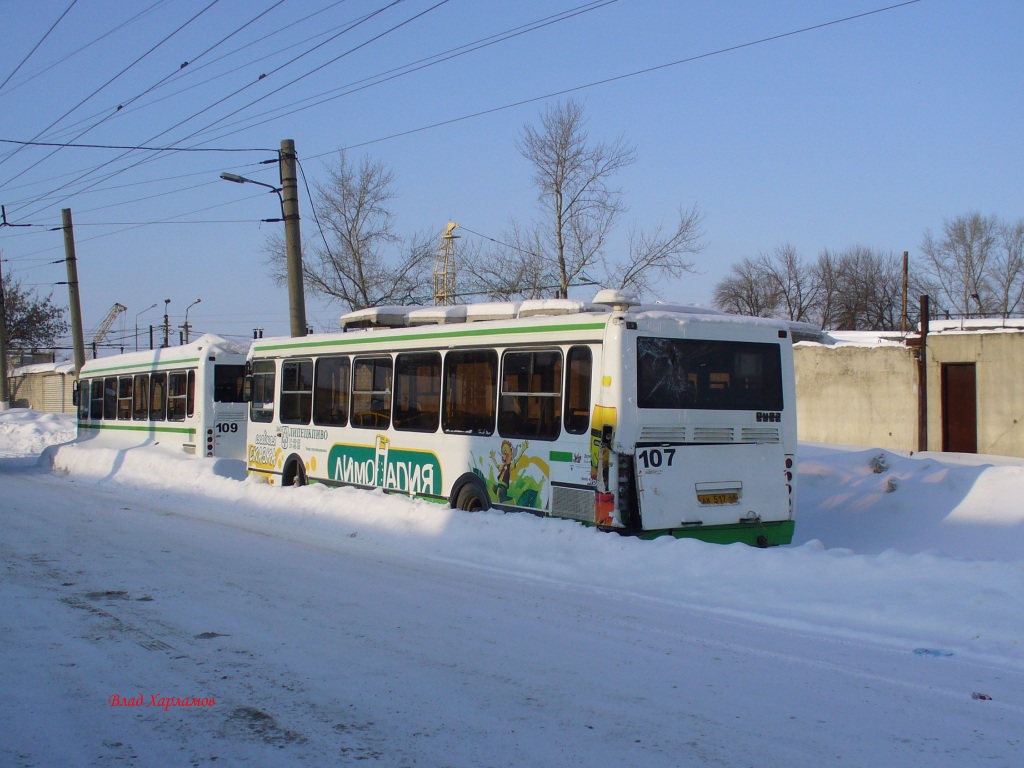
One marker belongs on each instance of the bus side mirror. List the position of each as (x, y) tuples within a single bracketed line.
[(247, 389), (76, 396)]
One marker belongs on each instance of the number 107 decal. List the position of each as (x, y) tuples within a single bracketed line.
[(656, 457)]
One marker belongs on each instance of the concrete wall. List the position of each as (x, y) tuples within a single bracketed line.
[(857, 395), (867, 395), (999, 377), (48, 391)]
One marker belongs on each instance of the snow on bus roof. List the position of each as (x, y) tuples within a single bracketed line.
[(211, 343)]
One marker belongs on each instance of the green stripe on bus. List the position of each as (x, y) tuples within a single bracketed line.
[(770, 534), (141, 366), (133, 428), (560, 456), (465, 333)]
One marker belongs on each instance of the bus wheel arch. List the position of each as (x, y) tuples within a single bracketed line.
[(294, 472), (470, 494)]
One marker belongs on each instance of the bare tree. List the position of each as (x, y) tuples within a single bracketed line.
[(794, 282), (869, 290), (580, 207), (360, 260), (856, 289), (511, 269), (1008, 270), (826, 274), (659, 253), (572, 177), (747, 290), (956, 262)]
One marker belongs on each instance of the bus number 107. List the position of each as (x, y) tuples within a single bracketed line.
[(655, 457)]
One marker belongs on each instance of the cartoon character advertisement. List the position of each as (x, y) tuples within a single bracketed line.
[(513, 476)]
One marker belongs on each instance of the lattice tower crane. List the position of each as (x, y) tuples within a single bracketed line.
[(101, 332), (444, 268)]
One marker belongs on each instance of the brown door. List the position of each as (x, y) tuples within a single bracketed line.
[(959, 408)]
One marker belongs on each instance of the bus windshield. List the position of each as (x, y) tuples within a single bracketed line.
[(708, 375)]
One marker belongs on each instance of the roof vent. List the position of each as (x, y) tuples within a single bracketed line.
[(618, 300)]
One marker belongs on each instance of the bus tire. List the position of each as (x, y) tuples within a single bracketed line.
[(472, 498), (294, 472)]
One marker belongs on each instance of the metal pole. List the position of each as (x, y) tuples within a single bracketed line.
[(906, 280), (292, 237), (4, 394), (77, 338), (922, 380)]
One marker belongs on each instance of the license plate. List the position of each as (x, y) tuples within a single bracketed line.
[(718, 498)]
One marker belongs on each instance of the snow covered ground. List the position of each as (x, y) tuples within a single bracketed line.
[(308, 626)]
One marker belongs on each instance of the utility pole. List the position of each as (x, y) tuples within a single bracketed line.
[(77, 338), (292, 237), (5, 397), (167, 325), (906, 284), (922, 378)]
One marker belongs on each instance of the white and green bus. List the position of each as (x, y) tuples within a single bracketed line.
[(642, 419), (188, 397)]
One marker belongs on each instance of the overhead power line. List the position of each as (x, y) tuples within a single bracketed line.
[(220, 101), (406, 69), (36, 46), (616, 78), (61, 60), (137, 147), (111, 80)]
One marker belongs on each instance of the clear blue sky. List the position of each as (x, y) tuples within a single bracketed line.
[(866, 132)]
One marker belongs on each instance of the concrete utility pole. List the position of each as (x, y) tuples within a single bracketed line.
[(292, 237), (77, 338)]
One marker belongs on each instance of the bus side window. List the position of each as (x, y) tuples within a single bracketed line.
[(418, 391), (177, 393), (296, 391), (140, 400), (110, 398), (190, 394), (579, 365), (371, 392), (124, 398), (84, 394), (330, 395), (96, 396), (158, 397), (531, 395), (263, 382), (470, 391)]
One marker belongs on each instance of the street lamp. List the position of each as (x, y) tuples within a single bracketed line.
[(152, 306), (185, 327), (288, 194), (234, 177)]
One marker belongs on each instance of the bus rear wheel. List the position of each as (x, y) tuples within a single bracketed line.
[(470, 499)]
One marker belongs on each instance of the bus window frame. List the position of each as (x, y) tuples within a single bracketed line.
[(517, 406)]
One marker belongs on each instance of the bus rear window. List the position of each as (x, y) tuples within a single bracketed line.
[(708, 375), (227, 383)]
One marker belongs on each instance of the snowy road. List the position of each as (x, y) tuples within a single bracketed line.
[(340, 653)]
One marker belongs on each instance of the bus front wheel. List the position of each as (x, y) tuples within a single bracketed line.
[(294, 473)]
